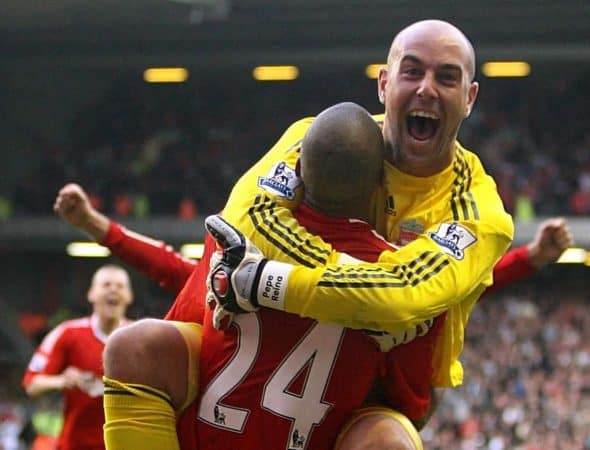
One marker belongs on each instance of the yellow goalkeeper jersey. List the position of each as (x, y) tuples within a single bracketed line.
[(452, 228)]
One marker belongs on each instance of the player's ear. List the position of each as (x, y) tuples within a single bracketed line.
[(471, 96), (382, 84)]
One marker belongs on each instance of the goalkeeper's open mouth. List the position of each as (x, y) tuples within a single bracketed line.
[(422, 125)]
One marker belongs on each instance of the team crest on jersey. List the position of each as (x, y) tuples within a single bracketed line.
[(453, 238), (409, 230), (281, 180)]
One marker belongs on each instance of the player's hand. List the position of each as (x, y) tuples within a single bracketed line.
[(234, 275), (73, 205), (73, 378), (552, 238)]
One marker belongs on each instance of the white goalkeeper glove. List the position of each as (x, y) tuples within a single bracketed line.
[(242, 279)]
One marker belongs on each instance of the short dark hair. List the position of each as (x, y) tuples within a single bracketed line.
[(342, 155)]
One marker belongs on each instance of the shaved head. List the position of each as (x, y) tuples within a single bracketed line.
[(341, 160), (445, 31)]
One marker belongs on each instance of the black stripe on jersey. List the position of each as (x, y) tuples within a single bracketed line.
[(473, 205), (462, 200), (408, 270), (385, 284), (403, 274), (429, 260), (283, 238), (262, 204), (460, 181)]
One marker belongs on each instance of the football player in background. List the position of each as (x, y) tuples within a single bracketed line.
[(69, 360)]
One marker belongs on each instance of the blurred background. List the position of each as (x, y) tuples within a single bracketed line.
[(78, 103)]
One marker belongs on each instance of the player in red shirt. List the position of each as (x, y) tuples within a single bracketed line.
[(339, 232), (281, 381), (70, 360)]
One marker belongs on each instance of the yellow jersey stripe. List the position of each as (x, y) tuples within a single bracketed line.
[(267, 224)]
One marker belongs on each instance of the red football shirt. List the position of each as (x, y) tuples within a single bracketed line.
[(271, 388), (276, 380), (77, 343)]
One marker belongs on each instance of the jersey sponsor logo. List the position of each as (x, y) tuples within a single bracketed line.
[(409, 230), (453, 238), (281, 180)]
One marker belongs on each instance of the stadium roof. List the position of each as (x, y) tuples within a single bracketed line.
[(215, 32)]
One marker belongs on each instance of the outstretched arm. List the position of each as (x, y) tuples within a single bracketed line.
[(153, 258), (551, 239)]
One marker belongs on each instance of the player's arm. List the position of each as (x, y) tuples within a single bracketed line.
[(551, 239), (448, 264), (261, 202), (153, 258), (70, 378), (47, 371), (512, 267)]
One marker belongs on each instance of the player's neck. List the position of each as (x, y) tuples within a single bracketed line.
[(343, 210), (107, 325)]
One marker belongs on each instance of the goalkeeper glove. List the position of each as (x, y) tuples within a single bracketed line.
[(243, 279)]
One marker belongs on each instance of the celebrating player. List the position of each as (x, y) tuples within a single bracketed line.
[(70, 360), (158, 261), (436, 201), (437, 181)]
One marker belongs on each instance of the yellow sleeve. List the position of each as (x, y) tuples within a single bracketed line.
[(450, 264), (261, 202)]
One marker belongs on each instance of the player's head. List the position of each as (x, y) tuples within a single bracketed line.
[(427, 89), (342, 161), (110, 292)]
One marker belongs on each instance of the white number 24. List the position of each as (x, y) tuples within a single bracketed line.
[(317, 351)]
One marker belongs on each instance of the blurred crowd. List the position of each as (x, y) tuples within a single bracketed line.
[(527, 379), (146, 151), (527, 376)]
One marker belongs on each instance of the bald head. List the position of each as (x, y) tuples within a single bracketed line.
[(342, 160), (440, 30)]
